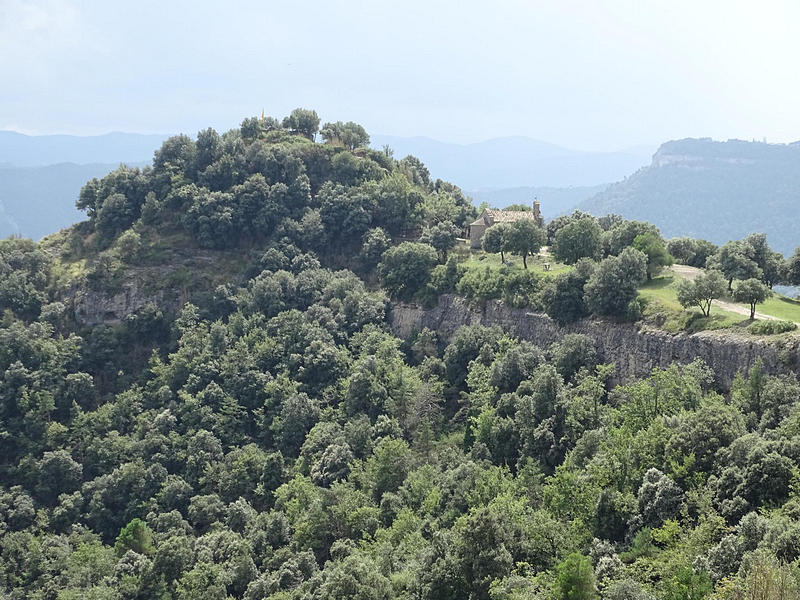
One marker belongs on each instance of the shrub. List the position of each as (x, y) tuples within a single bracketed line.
[(771, 327)]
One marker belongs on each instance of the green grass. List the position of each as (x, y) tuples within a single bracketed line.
[(664, 310), (474, 259), (787, 309)]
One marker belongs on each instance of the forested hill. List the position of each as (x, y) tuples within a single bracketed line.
[(713, 190), (201, 397)]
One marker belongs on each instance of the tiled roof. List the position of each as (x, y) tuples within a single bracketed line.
[(509, 216), (490, 217)]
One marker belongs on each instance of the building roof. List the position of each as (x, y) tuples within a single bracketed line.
[(509, 216), (490, 217)]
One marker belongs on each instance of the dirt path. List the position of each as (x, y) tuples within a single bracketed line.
[(690, 273)]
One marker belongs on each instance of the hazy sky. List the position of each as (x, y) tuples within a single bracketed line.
[(588, 74)]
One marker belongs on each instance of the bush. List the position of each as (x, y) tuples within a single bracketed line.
[(771, 327), (482, 284)]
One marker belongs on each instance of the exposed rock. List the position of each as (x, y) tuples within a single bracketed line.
[(634, 348), (95, 307)]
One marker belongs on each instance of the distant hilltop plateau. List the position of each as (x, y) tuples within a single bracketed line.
[(713, 190)]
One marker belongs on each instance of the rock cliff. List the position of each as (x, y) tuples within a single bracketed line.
[(634, 348)]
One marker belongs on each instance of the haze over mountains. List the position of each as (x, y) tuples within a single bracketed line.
[(698, 187), (41, 176), (516, 161), (22, 150)]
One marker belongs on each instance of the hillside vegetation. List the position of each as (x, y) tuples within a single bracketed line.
[(713, 190), (256, 431)]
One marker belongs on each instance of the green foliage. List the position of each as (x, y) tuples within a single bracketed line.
[(405, 269), (690, 251), (350, 135), (302, 121), (580, 238), (771, 327), (273, 439), (565, 301), (524, 237), (623, 235), (613, 285), (653, 247), (702, 290), (135, 536), (575, 579), (752, 292), (496, 240), (442, 237), (735, 261)]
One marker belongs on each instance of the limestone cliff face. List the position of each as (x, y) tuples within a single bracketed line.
[(95, 307), (185, 276), (166, 287), (634, 348)]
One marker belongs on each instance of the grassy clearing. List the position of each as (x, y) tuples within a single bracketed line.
[(782, 307), (474, 259), (663, 309)]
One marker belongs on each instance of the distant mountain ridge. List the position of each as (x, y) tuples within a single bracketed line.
[(515, 161), (22, 150), (41, 175), (714, 190), (554, 201), (37, 201)]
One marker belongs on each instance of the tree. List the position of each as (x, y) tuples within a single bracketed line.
[(621, 236), (135, 536), (405, 269), (524, 237), (442, 236), (614, 283), (767, 260), (398, 204), (702, 290), (565, 302), (751, 291), (575, 579), (653, 247), (494, 240), (735, 261), (682, 249), (302, 121), (580, 238), (374, 243), (350, 135), (660, 498), (791, 268), (572, 353)]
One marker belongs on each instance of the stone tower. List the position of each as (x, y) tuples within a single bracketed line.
[(537, 214)]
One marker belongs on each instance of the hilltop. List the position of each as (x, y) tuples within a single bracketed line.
[(713, 190), (266, 367)]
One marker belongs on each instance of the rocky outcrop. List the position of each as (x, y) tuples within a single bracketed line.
[(635, 348), (96, 303), (95, 307)]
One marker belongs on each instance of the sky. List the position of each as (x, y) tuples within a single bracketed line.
[(585, 74)]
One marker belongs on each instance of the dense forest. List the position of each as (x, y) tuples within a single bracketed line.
[(264, 435)]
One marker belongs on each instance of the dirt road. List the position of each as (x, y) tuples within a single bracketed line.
[(690, 273)]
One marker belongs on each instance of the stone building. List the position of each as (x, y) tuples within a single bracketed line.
[(490, 217)]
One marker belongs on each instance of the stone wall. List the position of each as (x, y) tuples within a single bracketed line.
[(634, 348)]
